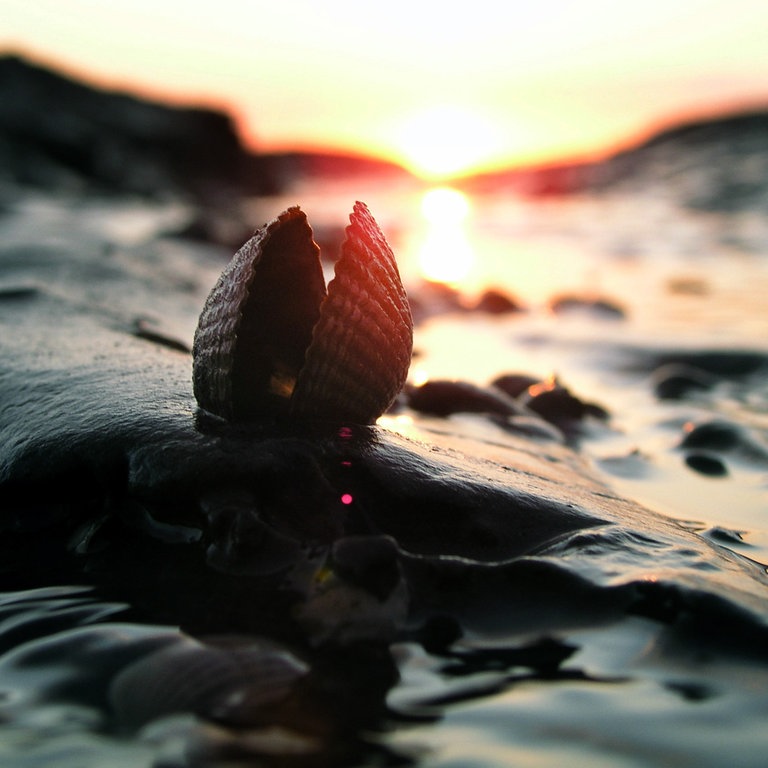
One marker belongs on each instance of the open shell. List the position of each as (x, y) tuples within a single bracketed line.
[(271, 341)]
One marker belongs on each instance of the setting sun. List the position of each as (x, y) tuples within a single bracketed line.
[(446, 140)]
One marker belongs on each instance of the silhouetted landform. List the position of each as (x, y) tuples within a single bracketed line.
[(287, 167), (554, 179), (63, 135), (718, 164), (59, 134), (714, 164)]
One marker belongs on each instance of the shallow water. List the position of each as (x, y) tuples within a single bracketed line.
[(634, 691), (687, 280)]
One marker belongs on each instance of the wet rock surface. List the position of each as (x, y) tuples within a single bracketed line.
[(264, 576), (101, 434)]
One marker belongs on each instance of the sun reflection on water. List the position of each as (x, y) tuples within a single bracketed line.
[(445, 254)]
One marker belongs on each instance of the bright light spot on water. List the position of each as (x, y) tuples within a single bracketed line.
[(445, 255), (418, 376), (444, 206)]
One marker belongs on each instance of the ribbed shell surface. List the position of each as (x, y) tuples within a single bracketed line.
[(257, 322), (361, 346)]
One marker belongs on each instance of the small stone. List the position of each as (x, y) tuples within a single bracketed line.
[(706, 465)]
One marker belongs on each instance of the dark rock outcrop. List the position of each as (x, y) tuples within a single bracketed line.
[(712, 164), (63, 135), (718, 164)]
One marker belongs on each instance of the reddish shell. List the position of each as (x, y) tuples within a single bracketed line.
[(270, 341), (362, 343)]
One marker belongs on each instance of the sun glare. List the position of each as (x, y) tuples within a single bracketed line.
[(441, 205), (446, 141), (445, 255)]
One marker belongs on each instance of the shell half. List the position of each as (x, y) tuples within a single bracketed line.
[(270, 340), (362, 343), (257, 322)]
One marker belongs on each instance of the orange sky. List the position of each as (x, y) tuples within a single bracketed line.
[(442, 89)]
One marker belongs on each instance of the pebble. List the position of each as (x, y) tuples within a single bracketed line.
[(495, 302), (600, 308), (442, 397), (515, 384), (706, 465), (558, 405), (675, 381)]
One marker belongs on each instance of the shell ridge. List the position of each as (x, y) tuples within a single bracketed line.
[(388, 278), (371, 272), (217, 330), (225, 364), (367, 315), (369, 352), (267, 342)]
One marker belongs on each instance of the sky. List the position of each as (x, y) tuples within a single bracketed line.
[(442, 87)]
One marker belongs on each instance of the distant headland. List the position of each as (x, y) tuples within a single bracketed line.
[(60, 134)]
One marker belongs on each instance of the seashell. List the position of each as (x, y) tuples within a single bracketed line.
[(271, 340), (231, 683)]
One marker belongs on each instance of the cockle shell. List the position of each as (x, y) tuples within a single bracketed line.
[(271, 340), (234, 681)]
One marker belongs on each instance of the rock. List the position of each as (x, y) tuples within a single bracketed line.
[(550, 400), (515, 384), (57, 133), (674, 381), (110, 476), (594, 307), (726, 364), (706, 465), (442, 397), (495, 302), (720, 436), (430, 298)]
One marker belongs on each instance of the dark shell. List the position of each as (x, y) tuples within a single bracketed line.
[(270, 341), (257, 322)]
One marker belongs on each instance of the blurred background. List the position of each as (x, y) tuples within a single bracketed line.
[(439, 90), (532, 150), (577, 195)]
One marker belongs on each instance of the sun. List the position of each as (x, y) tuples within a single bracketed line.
[(447, 140)]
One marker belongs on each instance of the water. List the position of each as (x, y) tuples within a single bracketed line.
[(630, 692), (687, 280)]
